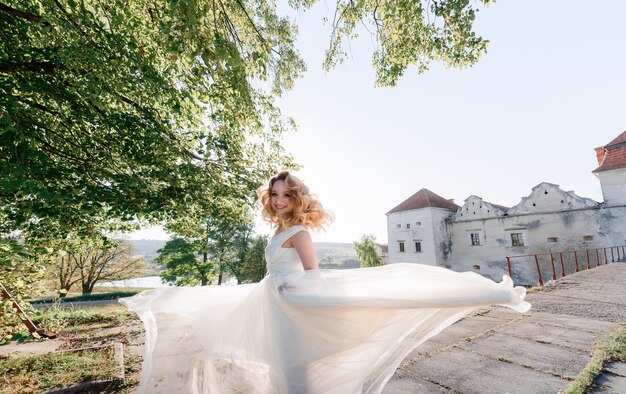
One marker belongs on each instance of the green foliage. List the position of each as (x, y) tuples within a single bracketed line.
[(408, 33), (115, 111), (183, 267), (218, 240), (220, 246), (367, 251), (120, 110), (125, 110), (251, 267), (20, 266)]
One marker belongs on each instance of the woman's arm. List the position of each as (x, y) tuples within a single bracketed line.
[(304, 247), (311, 279)]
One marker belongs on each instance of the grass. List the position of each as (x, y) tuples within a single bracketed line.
[(48, 371), (610, 348), (59, 316), (73, 318), (534, 289), (78, 327)]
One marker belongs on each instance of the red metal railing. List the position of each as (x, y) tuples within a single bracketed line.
[(570, 258)]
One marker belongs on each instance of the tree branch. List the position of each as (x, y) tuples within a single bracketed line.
[(263, 40), (51, 149), (230, 26), (20, 14), (47, 67)]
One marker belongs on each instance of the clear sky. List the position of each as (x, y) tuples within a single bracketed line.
[(549, 90)]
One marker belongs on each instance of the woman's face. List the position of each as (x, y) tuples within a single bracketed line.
[(281, 199)]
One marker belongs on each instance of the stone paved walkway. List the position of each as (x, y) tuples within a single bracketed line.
[(497, 350)]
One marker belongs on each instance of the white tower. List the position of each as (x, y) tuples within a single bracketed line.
[(612, 171), (417, 230)]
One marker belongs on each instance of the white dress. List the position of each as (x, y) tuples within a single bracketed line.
[(296, 331)]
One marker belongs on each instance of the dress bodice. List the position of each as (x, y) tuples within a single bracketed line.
[(282, 261)]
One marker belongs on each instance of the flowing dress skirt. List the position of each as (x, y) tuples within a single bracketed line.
[(328, 331)]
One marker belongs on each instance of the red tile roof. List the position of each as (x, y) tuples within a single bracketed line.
[(613, 154), (425, 199), (620, 139)]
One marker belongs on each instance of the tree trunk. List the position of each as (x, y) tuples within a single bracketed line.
[(205, 258), (87, 289)]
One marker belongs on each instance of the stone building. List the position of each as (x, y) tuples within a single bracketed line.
[(429, 229), (383, 252)]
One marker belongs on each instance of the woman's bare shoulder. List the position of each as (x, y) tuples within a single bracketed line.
[(300, 237)]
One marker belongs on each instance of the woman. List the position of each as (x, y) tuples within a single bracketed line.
[(302, 330)]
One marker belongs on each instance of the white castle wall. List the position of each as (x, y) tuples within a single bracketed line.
[(549, 220), (541, 232)]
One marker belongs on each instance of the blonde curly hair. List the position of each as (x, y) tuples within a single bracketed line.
[(307, 210)]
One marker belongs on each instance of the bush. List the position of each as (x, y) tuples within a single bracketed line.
[(19, 270)]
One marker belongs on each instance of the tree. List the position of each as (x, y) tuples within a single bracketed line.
[(210, 248), (367, 251), (93, 260), (251, 266), (183, 267), (207, 244), (117, 109), (214, 236)]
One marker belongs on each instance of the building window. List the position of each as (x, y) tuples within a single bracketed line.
[(408, 225), (418, 247), (475, 239), (398, 225), (517, 239), (401, 245), (553, 239), (588, 238)]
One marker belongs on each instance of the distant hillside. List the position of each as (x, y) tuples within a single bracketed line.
[(336, 255), (330, 254), (147, 248)]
